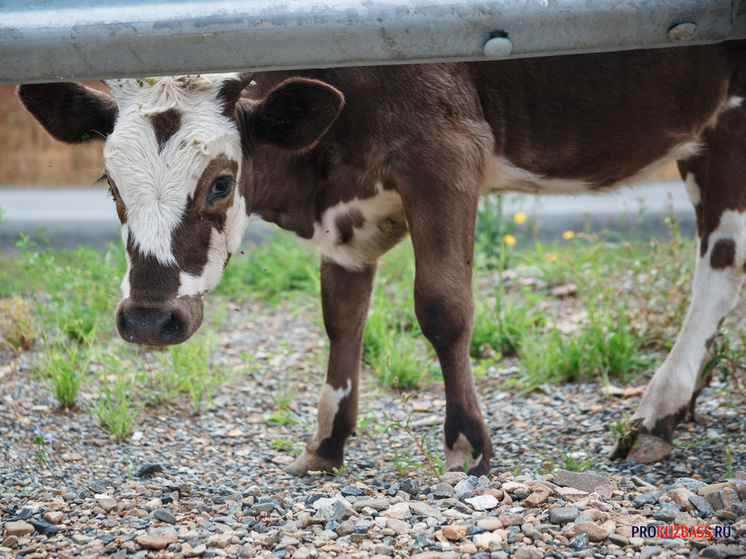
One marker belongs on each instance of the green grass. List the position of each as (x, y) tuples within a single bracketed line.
[(73, 295), (116, 408), (63, 366)]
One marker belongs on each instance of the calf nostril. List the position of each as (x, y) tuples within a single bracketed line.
[(125, 329), (171, 327)]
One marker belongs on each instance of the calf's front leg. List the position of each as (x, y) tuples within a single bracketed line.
[(345, 296), (442, 230)]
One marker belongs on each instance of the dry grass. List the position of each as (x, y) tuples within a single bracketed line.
[(31, 158)]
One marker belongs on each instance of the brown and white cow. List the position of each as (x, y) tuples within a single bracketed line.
[(352, 160)]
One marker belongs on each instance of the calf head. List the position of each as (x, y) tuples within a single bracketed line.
[(177, 159)]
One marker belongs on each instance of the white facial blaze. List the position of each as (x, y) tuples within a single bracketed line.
[(125, 286), (156, 181)]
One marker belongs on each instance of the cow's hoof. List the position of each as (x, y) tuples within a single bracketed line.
[(648, 448), (308, 463)]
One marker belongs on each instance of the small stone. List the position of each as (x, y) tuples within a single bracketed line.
[(302, 553), (346, 528), (454, 532), (726, 515), (452, 478), (399, 510), (197, 550), (680, 496), (649, 551), (18, 528), (419, 508), (619, 540), (595, 532), (54, 516), (483, 502), (375, 504), (511, 520), (469, 483), (398, 526), (584, 481), (702, 505), (538, 497), (563, 515), (722, 499), (528, 552), (723, 551), (148, 469), (11, 542), (490, 523), (160, 541), (488, 541), (649, 498), (164, 515)]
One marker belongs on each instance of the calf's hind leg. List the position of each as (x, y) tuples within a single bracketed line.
[(716, 183), (345, 296)]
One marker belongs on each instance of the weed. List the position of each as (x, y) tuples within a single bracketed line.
[(402, 459), (41, 458), (63, 365), (115, 409), (285, 445), (17, 324), (282, 414), (728, 463), (191, 371)]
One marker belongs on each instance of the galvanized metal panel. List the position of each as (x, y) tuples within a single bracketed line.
[(43, 40)]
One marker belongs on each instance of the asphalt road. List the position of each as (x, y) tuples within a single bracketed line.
[(85, 216)]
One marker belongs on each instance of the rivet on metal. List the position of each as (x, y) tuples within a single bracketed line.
[(498, 47), (682, 32)]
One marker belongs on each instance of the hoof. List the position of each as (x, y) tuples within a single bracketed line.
[(649, 448), (308, 463)]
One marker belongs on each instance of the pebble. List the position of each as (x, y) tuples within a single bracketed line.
[(18, 528), (563, 515), (212, 495)]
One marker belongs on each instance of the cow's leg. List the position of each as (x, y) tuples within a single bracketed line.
[(716, 183), (441, 224), (345, 296)]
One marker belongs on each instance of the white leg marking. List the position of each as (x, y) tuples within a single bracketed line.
[(461, 454), (714, 294), (329, 401)]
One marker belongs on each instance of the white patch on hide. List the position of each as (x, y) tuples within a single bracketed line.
[(502, 176), (370, 240), (692, 189)]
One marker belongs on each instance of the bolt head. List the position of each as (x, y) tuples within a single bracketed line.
[(682, 32), (498, 47)]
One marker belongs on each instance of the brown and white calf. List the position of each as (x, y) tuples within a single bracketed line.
[(352, 160)]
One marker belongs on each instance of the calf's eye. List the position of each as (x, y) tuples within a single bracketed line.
[(220, 188)]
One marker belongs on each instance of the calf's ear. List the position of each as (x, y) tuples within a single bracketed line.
[(70, 112), (296, 114)]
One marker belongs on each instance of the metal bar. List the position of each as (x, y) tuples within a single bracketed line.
[(46, 40)]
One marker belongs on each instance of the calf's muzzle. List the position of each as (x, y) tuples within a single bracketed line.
[(168, 323)]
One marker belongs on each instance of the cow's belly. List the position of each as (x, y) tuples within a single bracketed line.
[(502, 176), (358, 232)]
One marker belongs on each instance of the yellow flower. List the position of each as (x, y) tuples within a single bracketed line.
[(520, 218), (567, 235), (509, 240), (552, 256)]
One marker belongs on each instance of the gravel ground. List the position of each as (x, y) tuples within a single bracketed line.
[(213, 485)]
